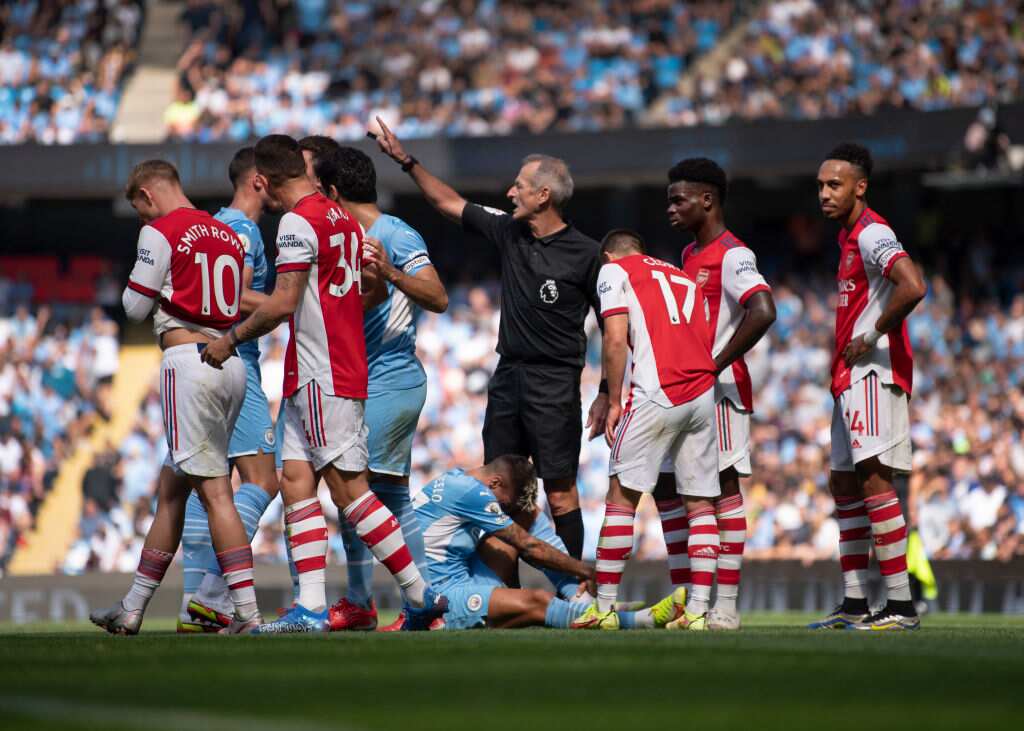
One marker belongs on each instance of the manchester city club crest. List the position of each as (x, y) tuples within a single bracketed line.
[(549, 292), (474, 602)]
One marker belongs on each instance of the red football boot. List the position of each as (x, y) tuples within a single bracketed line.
[(344, 616), (396, 626)]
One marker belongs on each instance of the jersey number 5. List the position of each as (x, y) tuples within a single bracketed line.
[(671, 303), (222, 262), (352, 267)]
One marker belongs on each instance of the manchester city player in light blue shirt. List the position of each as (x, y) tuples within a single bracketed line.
[(477, 524), (253, 443), (397, 383)]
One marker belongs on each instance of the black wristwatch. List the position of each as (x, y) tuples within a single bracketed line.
[(409, 163), (602, 387)]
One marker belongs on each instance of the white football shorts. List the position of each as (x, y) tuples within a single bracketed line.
[(325, 430), (649, 434), (200, 405), (732, 426), (871, 419)]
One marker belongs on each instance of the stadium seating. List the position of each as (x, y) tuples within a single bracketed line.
[(491, 68), (964, 507), (62, 64), (54, 376)]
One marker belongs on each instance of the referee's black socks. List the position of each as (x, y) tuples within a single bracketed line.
[(569, 527)]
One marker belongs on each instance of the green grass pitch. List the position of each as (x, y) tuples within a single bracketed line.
[(959, 672)]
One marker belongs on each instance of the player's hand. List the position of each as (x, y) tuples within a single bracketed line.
[(856, 350), (612, 422), (590, 585), (375, 257), (597, 416), (215, 353), (389, 144)]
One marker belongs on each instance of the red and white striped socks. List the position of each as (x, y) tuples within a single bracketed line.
[(307, 537), (614, 547), (150, 572), (854, 544), (732, 532), (703, 549), (236, 567), (379, 530), (676, 529), (890, 534)]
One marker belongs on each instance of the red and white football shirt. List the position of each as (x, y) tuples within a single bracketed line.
[(867, 253), (327, 343), (668, 329), (727, 272), (192, 264)]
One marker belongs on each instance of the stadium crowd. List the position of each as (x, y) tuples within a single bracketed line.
[(55, 371), (967, 416), (62, 65), (493, 68)]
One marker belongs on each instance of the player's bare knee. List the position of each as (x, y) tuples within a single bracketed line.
[(538, 601), (729, 480)]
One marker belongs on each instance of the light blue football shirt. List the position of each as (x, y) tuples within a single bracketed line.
[(390, 327), (455, 512), (255, 257)]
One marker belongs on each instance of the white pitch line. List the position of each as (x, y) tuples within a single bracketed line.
[(133, 717)]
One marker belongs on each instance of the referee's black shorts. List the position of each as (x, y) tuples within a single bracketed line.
[(535, 410)]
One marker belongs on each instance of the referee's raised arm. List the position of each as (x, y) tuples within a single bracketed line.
[(438, 193)]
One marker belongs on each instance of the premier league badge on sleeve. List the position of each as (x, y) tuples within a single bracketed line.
[(549, 292)]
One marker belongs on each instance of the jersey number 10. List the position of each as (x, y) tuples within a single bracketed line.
[(671, 303), (222, 262)]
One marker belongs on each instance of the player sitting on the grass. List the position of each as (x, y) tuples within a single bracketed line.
[(655, 312), (477, 524)]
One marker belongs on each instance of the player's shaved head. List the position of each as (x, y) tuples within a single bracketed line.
[(858, 156), (243, 161), (147, 173), (279, 159), (517, 473), (704, 172), (622, 242)]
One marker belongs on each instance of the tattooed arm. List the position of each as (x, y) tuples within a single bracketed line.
[(541, 554), (277, 307)]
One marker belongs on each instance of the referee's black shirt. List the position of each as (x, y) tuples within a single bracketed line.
[(547, 286)]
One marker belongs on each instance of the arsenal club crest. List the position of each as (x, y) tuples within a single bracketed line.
[(849, 259), (702, 276)]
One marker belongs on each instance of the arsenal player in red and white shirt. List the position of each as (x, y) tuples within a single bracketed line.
[(318, 288), (741, 310), (872, 372), (655, 313), (189, 265)]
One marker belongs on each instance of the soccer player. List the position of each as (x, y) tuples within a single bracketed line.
[(397, 383), (318, 289), (872, 373), (741, 309), (477, 524), (655, 313), (191, 265), (253, 443)]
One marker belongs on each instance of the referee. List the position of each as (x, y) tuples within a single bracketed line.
[(548, 283)]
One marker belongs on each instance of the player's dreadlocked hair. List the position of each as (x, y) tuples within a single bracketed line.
[(701, 170), (855, 154), (355, 177), (520, 473)]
